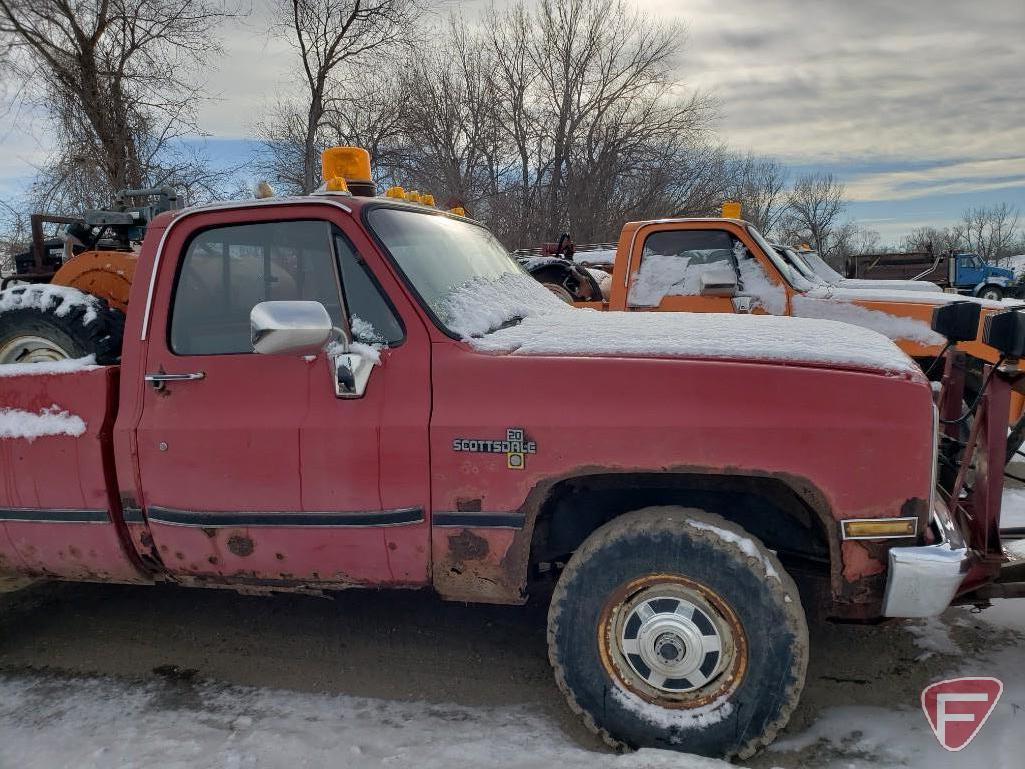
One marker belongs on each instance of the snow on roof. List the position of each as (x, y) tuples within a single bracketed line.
[(537, 323), (15, 423), (72, 366)]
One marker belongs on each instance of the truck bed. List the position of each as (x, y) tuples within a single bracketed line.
[(59, 515), (908, 266)]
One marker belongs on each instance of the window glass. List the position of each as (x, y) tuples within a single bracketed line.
[(370, 316), (228, 270), (440, 256), (674, 260), (790, 275)]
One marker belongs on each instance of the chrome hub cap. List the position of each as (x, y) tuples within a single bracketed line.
[(672, 643), (32, 349)]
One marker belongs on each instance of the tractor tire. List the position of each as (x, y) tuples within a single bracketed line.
[(991, 292), (567, 283), (673, 628), (42, 324)]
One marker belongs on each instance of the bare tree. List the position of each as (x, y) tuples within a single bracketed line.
[(939, 240), (852, 238), (814, 207), (328, 35), (457, 144), (14, 235), (990, 231), (118, 82), (759, 184), (370, 112)]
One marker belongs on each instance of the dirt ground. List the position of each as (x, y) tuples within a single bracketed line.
[(394, 645)]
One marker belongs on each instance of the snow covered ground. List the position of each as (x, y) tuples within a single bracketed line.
[(50, 720)]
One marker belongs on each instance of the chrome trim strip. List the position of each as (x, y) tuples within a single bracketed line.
[(299, 519), (228, 205), (478, 520), (52, 515), (843, 527)]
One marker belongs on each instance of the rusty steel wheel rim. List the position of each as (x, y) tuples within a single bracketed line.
[(560, 291), (672, 641), (32, 349)]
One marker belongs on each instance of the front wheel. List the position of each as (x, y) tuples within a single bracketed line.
[(672, 628), (994, 293)]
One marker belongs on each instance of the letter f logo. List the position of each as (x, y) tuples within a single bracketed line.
[(957, 708)]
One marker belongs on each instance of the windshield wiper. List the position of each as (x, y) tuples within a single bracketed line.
[(514, 321)]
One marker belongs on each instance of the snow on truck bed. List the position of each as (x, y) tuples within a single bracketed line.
[(516, 315)]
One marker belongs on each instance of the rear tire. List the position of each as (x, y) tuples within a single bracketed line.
[(673, 628), (40, 326)]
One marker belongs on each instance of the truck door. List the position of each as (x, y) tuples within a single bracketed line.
[(970, 271), (251, 468), (679, 267)]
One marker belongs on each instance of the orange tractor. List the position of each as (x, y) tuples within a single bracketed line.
[(82, 278)]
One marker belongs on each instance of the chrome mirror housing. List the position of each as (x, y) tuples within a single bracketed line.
[(289, 327), (351, 374)]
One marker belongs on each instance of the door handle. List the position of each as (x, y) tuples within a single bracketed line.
[(160, 379)]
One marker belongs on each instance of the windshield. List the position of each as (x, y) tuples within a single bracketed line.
[(798, 262), (790, 275), (820, 266), (442, 257)]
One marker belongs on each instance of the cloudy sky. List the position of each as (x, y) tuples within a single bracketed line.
[(917, 105)]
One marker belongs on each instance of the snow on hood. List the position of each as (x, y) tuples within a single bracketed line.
[(886, 285), (844, 294), (516, 315)]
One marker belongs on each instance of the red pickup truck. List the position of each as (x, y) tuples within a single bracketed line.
[(335, 391)]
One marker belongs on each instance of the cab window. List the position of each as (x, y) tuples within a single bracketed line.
[(371, 317), (672, 262), (228, 270)]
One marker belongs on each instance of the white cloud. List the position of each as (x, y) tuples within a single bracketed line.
[(950, 178)]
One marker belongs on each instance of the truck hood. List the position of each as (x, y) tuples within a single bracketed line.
[(887, 285), (510, 317), (936, 298)]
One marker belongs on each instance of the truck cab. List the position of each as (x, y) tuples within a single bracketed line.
[(972, 275)]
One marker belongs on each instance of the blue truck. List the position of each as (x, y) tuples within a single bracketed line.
[(961, 273)]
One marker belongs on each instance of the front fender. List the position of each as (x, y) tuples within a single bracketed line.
[(863, 442)]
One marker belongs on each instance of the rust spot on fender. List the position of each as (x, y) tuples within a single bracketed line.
[(209, 532), (240, 545), (467, 546), (858, 563)]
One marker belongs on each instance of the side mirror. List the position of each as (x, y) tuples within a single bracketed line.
[(957, 321), (718, 281), (289, 327), (352, 373)]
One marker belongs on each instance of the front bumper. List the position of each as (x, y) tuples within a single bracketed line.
[(923, 580)]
